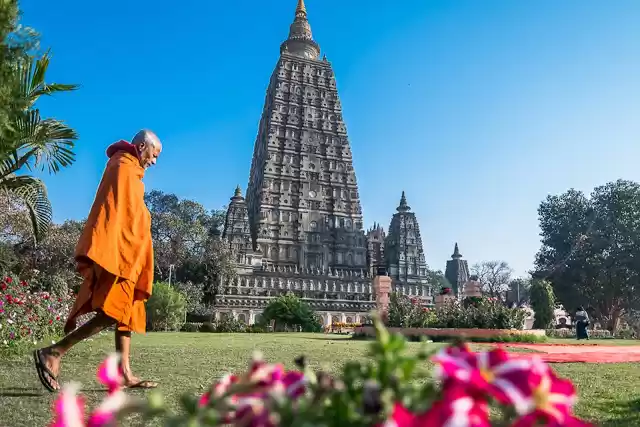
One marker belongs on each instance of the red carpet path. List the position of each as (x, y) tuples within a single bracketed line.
[(567, 353)]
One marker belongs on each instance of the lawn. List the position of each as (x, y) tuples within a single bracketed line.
[(609, 393)]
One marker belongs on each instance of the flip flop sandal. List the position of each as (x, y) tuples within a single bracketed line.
[(44, 374), (145, 384)]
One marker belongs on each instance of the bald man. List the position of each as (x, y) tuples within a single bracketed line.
[(115, 257)]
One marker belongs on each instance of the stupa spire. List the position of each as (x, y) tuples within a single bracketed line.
[(301, 8), (404, 206), (300, 41), (456, 252)]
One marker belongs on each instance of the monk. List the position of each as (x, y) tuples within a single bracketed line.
[(115, 258)]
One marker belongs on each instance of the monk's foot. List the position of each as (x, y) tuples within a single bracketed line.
[(131, 381), (47, 363)]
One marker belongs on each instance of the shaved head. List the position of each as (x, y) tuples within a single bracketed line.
[(148, 146)]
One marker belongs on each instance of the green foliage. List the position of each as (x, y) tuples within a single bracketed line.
[(16, 43), (289, 312), (34, 143), (187, 237), (166, 309), (482, 313), (543, 303), (226, 324), (598, 334), (191, 327), (406, 313), (193, 294), (590, 247), (507, 338)]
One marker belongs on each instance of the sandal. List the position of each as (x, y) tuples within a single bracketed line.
[(145, 384), (44, 374)]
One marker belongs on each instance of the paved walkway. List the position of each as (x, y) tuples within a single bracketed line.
[(585, 353)]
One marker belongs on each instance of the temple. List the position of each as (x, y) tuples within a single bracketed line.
[(457, 272), (300, 228)]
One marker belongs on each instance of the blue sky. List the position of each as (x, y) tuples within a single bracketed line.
[(477, 109)]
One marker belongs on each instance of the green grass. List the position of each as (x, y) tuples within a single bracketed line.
[(609, 393)]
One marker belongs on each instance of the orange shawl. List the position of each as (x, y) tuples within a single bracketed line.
[(117, 234)]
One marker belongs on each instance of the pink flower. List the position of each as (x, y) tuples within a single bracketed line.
[(544, 396), (8, 280), (70, 412), (482, 373), (455, 409), (262, 383), (110, 373)]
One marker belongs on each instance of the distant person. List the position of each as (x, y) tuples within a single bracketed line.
[(582, 321), (115, 257)]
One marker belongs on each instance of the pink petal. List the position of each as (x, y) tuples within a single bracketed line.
[(110, 373), (108, 409), (69, 408)]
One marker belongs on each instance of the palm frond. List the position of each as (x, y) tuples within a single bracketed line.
[(36, 143), (32, 79), (33, 193)]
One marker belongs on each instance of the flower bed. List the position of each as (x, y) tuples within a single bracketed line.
[(369, 392), (471, 313), (571, 333), (27, 317), (341, 328), (447, 334)]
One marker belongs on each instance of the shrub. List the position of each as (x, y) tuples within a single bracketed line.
[(366, 392), (571, 333), (290, 312), (27, 317), (193, 294), (166, 309), (208, 327), (224, 325), (476, 312), (405, 312), (543, 303), (191, 327)]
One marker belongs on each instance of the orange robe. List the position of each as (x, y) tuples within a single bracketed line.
[(115, 252)]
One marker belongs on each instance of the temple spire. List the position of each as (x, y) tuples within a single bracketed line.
[(237, 195), (456, 252), (300, 41), (301, 8), (403, 207)]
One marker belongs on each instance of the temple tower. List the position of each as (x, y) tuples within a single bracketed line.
[(303, 203), (403, 251), (236, 225), (457, 271)]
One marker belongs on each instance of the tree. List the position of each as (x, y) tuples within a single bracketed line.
[(187, 237), (543, 303), (290, 311), (591, 249), (436, 279), (166, 309), (518, 291), (49, 262), (33, 143), (16, 42), (494, 276)]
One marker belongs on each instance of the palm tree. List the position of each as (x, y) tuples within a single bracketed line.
[(32, 143)]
